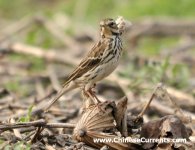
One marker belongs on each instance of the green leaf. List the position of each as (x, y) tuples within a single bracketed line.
[(28, 116)]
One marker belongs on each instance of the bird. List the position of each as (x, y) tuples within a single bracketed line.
[(99, 62)]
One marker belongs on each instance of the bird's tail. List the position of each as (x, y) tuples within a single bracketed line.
[(64, 90)]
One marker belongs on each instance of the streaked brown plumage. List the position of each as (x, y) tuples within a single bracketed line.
[(99, 62)]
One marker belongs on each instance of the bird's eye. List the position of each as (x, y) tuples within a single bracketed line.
[(111, 24)]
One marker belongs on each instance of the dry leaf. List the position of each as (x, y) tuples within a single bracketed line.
[(167, 127), (95, 120)]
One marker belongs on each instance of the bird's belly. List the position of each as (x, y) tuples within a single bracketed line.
[(105, 69)]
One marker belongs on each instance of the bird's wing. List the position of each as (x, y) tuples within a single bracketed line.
[(92, 60)]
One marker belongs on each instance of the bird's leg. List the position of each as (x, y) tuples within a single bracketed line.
[(94, 98), (89, 91), (92, 93)]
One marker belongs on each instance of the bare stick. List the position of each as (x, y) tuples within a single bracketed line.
[(49, 55), (162, 28), (146, 106), (37, 123), (59, 125), (53, 78), (189, 45), (52, 27), (37, 133), (7, 126), (165, 110), (150, 100), (29, 135), (16, 131), (164, 94), (47, 96), (16, 27)]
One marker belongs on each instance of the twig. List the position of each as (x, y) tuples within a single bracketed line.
[(13, 106), (165, 95), (37, 123), (37, 133), (16, 131), (29, 135), (27, 129), (162, 93), (39, 88), (47, 96), (59, 125), (36, 111), (165, 110), (58, 33), (183, 99), (53, 78), (162, 28), (7, 126), (146, 106), (16, 27), (150, 100), (180, 49), (49, 55)]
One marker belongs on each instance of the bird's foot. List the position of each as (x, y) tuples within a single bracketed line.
[(93, 96), (98, 103)]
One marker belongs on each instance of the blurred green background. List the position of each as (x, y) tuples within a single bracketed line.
[(91, 12), (85, 15)]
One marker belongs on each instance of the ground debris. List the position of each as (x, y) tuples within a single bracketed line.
[(170, 127), (24, 125)]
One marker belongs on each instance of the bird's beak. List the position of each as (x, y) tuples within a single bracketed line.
[(102, 24)]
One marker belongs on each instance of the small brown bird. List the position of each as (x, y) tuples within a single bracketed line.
[(99, 62)]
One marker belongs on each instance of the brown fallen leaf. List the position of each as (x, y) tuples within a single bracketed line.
[(170, 127), (120, 115), (99, 118)]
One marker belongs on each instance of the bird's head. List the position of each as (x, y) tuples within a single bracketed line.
[(109, 28)]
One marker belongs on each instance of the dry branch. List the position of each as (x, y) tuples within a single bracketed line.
[(162, 28), (49, 55), (17, 27), (179, 49), (37, 123), (57, 32), (166, 110), (53, 78)]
